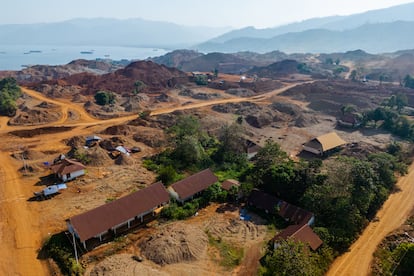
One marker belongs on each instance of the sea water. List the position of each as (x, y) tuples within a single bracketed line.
[(15, 57)]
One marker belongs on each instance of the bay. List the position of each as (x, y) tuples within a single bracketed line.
[(15, 57)]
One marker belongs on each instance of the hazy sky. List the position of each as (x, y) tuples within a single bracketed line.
[(234, 13)]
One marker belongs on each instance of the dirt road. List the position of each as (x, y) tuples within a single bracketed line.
[(18, 228), (392, 215), (20, 231)]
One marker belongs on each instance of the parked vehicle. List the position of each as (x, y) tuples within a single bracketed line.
[(49, 191)]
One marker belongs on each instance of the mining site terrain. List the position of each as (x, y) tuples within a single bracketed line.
[(281, 100)]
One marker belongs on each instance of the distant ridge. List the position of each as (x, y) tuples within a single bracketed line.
[(327, 34), (107, 32)]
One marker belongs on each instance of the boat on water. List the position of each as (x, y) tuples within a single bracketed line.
[(34, 51), (86, 52)]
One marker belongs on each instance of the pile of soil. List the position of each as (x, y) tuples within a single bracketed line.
[(156, 78), (97, 156), (39, 131), (235, 229), (123, 264), (124, 159), (241, 92), (175, 243), (150, 137), (125, 130), (76, 142), (277, 69), (29, 155), (359, 150), (35, 117)]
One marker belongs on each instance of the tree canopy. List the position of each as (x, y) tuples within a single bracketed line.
[(9, 93)]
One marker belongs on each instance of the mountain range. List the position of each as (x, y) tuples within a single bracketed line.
[(107, 32), (377, 31), (364, 31)]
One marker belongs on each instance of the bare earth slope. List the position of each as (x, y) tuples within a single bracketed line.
[(393, 213)]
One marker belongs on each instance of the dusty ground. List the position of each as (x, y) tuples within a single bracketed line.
[(24, 224)]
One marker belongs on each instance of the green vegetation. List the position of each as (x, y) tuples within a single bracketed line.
[(139, 86), (82, 156), (395, 260), (294, 258), (9, 93), (60, 250), (105, 98), (343, 193), (408, 81), (230, 254), (201, 79)]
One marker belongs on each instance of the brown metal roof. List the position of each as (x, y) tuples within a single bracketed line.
[(102, 218), (264, 201), (66, 166), (294, 213), (227, 184), (330, 140), (194, 184), (300, 233)]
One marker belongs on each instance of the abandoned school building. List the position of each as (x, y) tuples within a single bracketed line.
[(67, 169), (302, 219), (193, 185), (101, 223), (324, 143)]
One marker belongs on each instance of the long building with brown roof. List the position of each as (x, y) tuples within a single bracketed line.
[(187, 188), (124, 212)]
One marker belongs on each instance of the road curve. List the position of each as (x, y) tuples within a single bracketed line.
[(394, 212)]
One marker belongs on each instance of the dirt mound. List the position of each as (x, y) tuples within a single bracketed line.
[(155, 77), (96, 156), (39, 131), (175, 243), (287, 108), (29, 155), (125, 130), (35, 117), (241, 92), (76, 142), (150, 137), (359, 150), (235, 229), (277, 69), (306, 120), (243, 108), (124, 160), (123, 264)]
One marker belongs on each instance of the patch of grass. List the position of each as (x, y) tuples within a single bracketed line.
[(230, 255)]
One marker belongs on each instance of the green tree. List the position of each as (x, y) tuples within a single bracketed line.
[(9, 93), (104, 98), (408, 81), (139, 86), (167, 175), (353, 75), (289, 258)]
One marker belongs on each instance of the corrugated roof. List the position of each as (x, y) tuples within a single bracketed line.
[(102, 218), (330, 140), (194, 184), (300, 233), (66, 166), (264, 201), (227, 184), (294, 213)]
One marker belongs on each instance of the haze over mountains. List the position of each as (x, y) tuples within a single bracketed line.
[(392, 27), (108, 32), (389, 26)]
